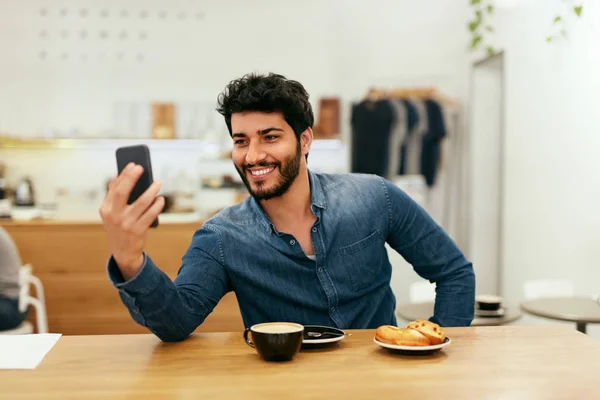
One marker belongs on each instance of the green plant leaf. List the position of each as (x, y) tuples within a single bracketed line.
[(475, 41), (473, 25), (578, 9), (490, 51), (479, 15), (473, 2), (557, 19), (549, 39), (490, 9)]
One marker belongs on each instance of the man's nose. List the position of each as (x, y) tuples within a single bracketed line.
[(255, 154)]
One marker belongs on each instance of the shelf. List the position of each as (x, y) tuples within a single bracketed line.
[(173, 144), (41, 143)]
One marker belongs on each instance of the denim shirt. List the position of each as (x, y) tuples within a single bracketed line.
[(346, 286)]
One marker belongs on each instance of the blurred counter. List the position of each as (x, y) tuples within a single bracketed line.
[(35, 215), (70, 255)]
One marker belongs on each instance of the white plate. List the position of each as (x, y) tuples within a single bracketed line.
[(415, 349), (320, 328), (322, 341)]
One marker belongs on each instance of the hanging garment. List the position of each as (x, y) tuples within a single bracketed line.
[(436, 131), (414, 142), (371, 123), (412, 119), (398, 136)]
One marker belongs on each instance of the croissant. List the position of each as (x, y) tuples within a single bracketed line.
[(417, 333), (431, 330), (389, 334), (401, 337)]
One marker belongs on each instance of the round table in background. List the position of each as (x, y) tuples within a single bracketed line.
[(581, 310), (414, 311)]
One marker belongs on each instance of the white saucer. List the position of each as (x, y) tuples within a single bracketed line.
[(322, 341), (414, 349), (319, 328)]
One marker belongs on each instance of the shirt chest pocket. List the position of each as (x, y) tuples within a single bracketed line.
[(362, 260)]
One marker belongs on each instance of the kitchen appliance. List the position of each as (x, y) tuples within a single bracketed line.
[(24, 193)]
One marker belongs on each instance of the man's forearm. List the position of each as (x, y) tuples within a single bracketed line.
[(455, 298), (155, 302), (170, 321)]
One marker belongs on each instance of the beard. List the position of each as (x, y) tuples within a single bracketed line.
[(288, 171)]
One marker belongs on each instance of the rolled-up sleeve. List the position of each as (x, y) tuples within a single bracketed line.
[(172, 310), (434, 256)]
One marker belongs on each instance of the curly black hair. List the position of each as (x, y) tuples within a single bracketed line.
[(268, 93)]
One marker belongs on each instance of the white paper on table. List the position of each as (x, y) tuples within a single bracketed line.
[(25, 351)]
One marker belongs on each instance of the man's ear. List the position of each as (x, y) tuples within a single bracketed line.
[(306, 139)]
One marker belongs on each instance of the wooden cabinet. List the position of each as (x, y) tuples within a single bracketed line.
[(70, 259)]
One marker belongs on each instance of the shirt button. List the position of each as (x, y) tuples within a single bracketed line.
[(332, 309), (292, 242), (320, 269), (314, 229)]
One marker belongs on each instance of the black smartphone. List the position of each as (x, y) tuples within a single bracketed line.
[(139, 154)]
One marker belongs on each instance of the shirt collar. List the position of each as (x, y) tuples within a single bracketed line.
[(317, 196), (317, 199)]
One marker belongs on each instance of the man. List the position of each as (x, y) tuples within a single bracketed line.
[(304, 247), (10, 263)]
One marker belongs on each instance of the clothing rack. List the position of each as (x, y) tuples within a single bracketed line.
[(449, 164), (422, 93)]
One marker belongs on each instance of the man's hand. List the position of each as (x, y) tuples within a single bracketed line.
[(127, 224)]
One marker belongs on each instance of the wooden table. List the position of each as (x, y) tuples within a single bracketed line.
[(413, 311), (581, 310), (508, 362)]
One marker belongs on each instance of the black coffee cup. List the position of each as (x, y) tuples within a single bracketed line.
[(275, 341), (488, 302)]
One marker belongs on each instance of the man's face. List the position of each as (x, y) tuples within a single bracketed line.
[(266, 153)]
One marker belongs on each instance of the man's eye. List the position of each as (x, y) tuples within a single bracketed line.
[(271, 137), (239, 142)]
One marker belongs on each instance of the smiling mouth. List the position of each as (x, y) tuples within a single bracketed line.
[(261, 173)]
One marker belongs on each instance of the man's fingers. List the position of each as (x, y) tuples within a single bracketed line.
[(123, 187), (114, 183), (151, 213), (138, 207), (111, 182), (106, 206)]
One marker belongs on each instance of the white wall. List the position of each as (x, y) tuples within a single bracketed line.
[(552, 175), (335, 47)]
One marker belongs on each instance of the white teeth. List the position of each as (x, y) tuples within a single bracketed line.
[(262, 171)]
